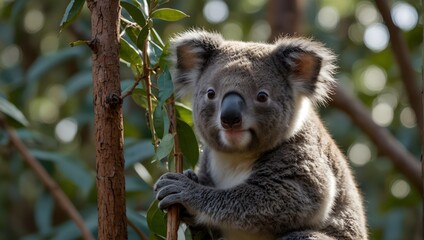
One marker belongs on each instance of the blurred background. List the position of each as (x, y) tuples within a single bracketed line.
[(50, 82)]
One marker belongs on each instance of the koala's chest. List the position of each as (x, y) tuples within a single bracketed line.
[(229, 170)]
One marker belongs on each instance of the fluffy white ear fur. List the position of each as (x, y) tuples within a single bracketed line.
[(190, 53), (310, 67)]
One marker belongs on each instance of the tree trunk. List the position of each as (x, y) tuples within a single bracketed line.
[(108, 119)]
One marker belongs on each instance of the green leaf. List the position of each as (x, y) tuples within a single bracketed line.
[(184, 113), (72, 11), (132, 32), (70, 168), (142, 36), (12, 111), (189, 146), (44, 64), (154, 52), (138, 152), (139, 219), (43, 213), (165, 147), (158, 121), (157, 38), (77, 82), (168, 14), (135, 184), (139, 97), (135, 13), (130, 56), (165, 86), (156, 220)]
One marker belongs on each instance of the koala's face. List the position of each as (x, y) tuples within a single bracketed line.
[(247, 97)]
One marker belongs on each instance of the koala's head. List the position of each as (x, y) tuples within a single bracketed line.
[(249, 97)]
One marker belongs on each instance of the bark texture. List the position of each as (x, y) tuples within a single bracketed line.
[(108, 119)]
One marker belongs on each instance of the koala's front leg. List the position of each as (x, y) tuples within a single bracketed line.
[(246, 206)]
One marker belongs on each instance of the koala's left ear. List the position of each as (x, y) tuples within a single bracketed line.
[(308, 65), (191, 51)]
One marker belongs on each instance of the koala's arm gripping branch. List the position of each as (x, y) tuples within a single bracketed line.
[(250, 207)]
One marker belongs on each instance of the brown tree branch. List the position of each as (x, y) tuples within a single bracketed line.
[(61, 198), (174, 211), (400, 50), (108, 119), (384, 141)]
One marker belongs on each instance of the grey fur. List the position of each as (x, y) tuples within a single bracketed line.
[(280, 176)]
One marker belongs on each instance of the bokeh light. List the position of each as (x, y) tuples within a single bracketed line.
[(33, 21), (328, 17), (66, 130), (49, 43), (10, 56), (260, 31), (374, 79), (359, 154), (404, 16), (382, 114), (400, 188), (376, 37), (215, 11), (366, 13), (232, 31), (389, 96), (252, 6), (44, 109), (407, 117)]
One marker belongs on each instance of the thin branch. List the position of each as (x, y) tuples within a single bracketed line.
[(148, 84), (136, 82), (400, 50), (137, 230), (48, 182), (174, 211), (385, 142)]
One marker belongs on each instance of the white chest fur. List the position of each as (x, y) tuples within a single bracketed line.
[(229, 170)]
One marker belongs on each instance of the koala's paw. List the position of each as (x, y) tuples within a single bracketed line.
[(173, 188), (192, 175)]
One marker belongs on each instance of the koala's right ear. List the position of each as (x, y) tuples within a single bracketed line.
[(190, 53)]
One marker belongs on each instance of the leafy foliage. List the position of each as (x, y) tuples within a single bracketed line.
[(45, 93)]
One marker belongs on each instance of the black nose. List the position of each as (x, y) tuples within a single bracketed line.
[(231, 110)]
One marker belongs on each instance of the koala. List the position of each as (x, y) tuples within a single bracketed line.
[(269, 169)]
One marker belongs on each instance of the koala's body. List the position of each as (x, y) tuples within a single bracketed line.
[(269, 169)]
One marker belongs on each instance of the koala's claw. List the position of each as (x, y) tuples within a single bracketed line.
[(192, 175), (171, 188)]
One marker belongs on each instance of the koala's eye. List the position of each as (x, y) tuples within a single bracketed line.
[(262, 97), (211, 94)]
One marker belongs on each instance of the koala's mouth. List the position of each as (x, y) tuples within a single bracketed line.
[(238, 138)]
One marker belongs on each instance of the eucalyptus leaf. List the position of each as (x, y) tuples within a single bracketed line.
[(43, 213), (156, 220), (168, 14), (135, 13), (189, 145), (139, 97), (142, 36), (72, 11), (158, 121), (130, 55), (165, 86), (154, 52), (12, 111), (70, 168), (165, 147), (138, 152), (184, 113), (135, 184)]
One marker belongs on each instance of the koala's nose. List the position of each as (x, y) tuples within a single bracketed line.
[(231, 110)]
